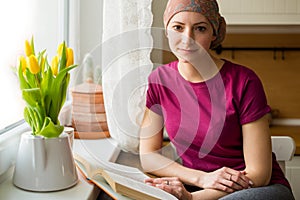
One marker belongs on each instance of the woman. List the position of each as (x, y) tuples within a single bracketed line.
[(215, 113)]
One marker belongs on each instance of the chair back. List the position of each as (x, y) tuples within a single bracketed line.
[(284, 148)]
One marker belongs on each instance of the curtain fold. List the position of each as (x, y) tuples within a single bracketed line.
[(126, 64)]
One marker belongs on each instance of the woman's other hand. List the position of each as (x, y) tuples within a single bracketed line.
[(227, 180), (171, 185)]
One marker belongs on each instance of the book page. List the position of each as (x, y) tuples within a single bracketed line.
[(140, 189), (129, 177), (100, 182), (100, 149), (94, 167)]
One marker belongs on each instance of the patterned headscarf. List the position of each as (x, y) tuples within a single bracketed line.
[(208, 8)]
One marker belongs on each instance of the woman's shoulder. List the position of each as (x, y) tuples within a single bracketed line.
[(164, 70), (235, 70), (172, 65)]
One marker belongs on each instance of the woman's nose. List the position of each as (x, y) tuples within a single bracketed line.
[(187, 37)]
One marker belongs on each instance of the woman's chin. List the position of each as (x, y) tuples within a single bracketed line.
[(184, 59)]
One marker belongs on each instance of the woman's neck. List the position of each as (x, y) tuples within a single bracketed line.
[(201, 73)]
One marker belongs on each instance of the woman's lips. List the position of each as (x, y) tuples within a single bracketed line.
[(187, 51)]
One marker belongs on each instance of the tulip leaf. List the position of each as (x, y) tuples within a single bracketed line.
[(59, 84), (29, 117), (32, 46), (39, 114), (23, 82), (46, 86), (50, 130), (31, 79), (32, 96)]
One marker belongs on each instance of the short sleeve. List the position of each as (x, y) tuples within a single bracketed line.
[(253, 103), (152, 97)]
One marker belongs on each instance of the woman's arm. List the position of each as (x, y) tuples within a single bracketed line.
[(151, 138), (258, 151)]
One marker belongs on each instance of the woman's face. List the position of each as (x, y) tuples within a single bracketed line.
[(189, 33)]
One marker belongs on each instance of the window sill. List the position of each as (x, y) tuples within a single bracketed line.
[(82, 190), (103, 149), (9, 142)]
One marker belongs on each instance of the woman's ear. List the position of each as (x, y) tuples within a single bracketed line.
[(166, 32), (214, 37)]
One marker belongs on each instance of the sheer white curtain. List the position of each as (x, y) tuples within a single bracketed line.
[(126, 64)]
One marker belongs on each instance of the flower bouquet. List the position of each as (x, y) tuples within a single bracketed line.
[(44, 161), (44, 87)]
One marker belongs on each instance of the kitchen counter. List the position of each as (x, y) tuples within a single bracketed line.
[(292, 131)]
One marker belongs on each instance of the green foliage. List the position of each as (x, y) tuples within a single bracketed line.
[(45, 92)]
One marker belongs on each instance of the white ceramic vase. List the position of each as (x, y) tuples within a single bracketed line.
[(45, 164)]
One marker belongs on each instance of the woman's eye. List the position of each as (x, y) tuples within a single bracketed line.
[(201, 28), (177, 28)]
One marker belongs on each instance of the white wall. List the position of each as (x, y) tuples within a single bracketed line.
[(85, 33), (90, 25), (45, 25)]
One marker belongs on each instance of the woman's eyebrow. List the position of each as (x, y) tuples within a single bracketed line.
[(182, 23), (177, 22), (200, 23)]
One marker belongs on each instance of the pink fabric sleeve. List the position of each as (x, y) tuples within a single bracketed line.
[(253, 104)]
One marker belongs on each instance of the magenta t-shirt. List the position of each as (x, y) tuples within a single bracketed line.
[(204, 120)]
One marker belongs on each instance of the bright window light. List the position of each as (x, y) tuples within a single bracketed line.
[(15, 18), (20, 20)]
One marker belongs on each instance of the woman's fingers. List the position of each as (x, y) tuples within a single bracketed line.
[(227, 179), (171, 185), (230, 186), (238, 177), (163, 181)]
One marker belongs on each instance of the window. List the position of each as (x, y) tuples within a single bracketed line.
[(20, 20)]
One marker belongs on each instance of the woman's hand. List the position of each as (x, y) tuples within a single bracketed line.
[(171, 185), (226, 179)]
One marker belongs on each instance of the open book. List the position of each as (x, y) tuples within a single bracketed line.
[(119, 181)]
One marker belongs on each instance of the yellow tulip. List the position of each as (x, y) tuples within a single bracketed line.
[(32, 64), (54, 65), (60, 49), (70, 57), (23, 63), (28, 49)]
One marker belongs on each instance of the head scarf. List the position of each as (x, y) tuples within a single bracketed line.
[(208, 8)]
